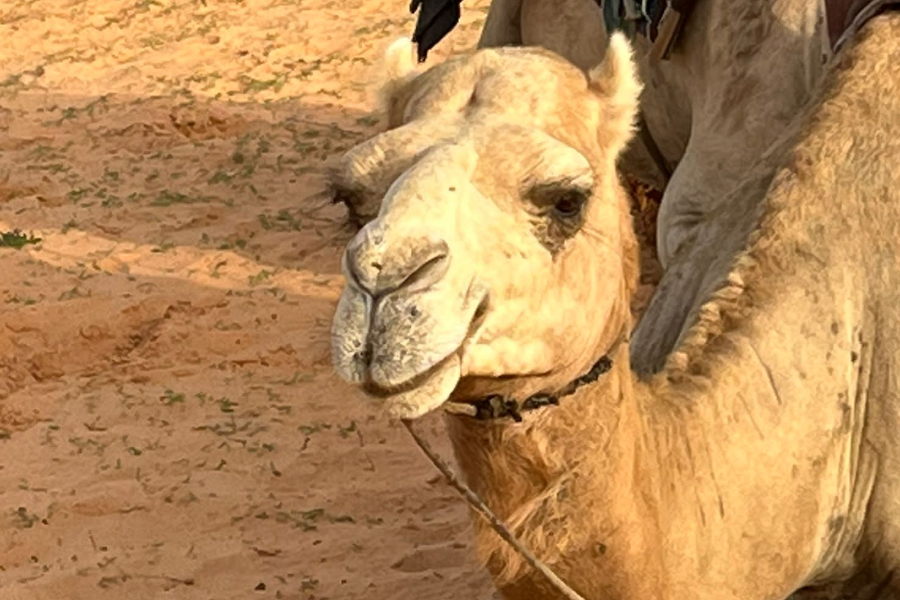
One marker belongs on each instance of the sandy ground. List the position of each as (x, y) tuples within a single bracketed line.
[(170, 426)]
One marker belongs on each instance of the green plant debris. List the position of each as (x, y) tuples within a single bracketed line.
[(369, 121), (314, 428), (226, 405), (308, 584), (16, 239), (346, 431), (252, 85), (260, 277), (282, 221), (25, 520), (168, 198), (169, 397)]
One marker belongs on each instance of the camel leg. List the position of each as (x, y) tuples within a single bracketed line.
[(714, 161), (503, 25), (574, 29), (692, 272), (688, 198)]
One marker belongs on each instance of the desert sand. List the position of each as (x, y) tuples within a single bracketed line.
[(170, 424)]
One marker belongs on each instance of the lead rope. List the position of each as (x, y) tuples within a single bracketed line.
[(653, 150), (478, 504)]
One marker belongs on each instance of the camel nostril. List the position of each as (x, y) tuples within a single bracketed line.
[(431, 271), (481, 309), (379, 270), (479, 316)]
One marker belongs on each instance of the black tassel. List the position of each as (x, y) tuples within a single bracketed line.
[(436, 19)]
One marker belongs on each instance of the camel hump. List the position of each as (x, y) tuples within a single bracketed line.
[(845, 17)]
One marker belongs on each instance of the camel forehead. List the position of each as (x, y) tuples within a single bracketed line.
[(502, 99), (502, 158), (507, 151)]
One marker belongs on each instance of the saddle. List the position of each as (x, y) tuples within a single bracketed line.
[(661, 21), (844, 18)]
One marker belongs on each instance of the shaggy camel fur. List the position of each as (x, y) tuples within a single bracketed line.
[(741, 71), (764, 457)]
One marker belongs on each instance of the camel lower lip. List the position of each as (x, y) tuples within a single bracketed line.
[(377, 391), (423, 393)]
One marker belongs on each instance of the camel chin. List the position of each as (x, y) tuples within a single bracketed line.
[(431, 390)]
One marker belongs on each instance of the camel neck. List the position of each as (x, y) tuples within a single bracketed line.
[(541, 475)]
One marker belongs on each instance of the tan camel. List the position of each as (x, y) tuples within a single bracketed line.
[(764, 457)]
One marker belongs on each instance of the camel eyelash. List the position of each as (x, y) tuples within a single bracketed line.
[(546, 192), (561, 199)]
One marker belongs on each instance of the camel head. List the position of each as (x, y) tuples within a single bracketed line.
[(502, 257)]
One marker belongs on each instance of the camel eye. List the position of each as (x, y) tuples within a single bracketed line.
[(569, 204), (557, 209)]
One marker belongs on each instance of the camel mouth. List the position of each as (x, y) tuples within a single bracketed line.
[(478, 318), (434, 386)]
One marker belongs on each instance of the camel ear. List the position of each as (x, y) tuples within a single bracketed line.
[(616, 83), (397, 69)]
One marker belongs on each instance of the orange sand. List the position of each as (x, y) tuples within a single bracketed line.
[(170, 426)]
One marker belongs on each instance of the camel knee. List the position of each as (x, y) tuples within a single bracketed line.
[(678, 220), (670, 240), (574, 29)]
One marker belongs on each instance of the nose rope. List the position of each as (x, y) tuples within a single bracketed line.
[(481, 508), (493, 407)]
